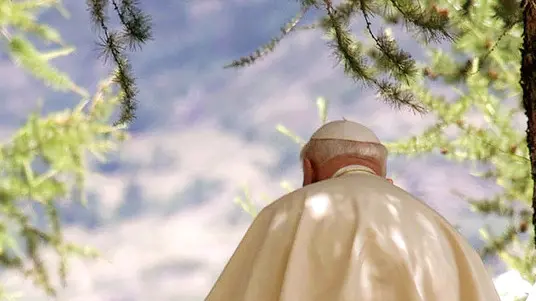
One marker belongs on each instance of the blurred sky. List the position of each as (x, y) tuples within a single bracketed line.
[(161, 211)]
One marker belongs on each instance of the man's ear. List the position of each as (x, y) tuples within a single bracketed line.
[(308, 172)]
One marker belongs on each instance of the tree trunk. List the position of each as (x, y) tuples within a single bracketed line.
[(528, 84)]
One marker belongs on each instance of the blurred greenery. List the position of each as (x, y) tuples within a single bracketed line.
[(481, 125), (45, 162), (382, 67)]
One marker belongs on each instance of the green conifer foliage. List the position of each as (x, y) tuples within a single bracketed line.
[(382, 66), (135, 31), (44, 162), (482, 67)]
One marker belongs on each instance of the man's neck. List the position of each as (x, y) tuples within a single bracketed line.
[(329, 168)]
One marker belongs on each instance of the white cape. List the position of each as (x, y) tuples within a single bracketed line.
[(356, 237)]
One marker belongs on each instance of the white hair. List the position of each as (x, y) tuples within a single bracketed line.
[(321, 150)]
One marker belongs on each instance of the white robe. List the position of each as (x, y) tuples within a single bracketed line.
[(355, 237)]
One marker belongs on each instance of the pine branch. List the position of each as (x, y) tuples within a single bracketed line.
[(398, 97), (348, 52), (269, 47), (27, 56), (390, 57), (343, 12), (136, 24), (432, 26), (309, 3), (505, 32), (59, 141), (136, 31), (499, 244)]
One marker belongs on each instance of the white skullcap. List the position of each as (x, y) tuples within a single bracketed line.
[(345, 130)]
